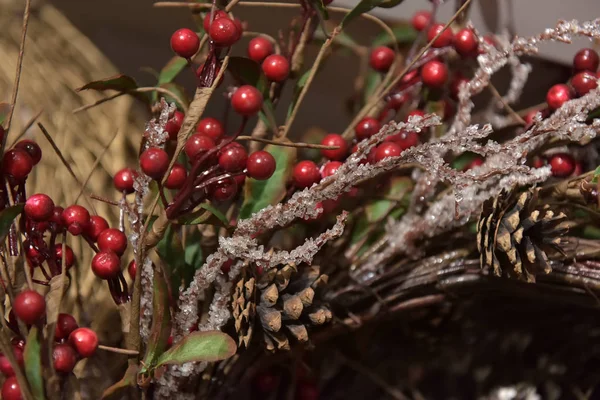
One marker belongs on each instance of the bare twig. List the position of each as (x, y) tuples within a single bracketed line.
[(95, 165), (507, 106), (138, 90), (288, 144), (118, 350)]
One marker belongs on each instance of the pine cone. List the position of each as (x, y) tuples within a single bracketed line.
[(244, 307), (516, 234)]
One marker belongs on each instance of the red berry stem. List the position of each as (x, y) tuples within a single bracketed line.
[(43, 283)]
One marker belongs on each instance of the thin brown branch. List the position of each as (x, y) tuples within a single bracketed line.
[(104, 200), (118, 350), (507, 106), (138, 90), (288, 144), (27, 126), (87, 179)]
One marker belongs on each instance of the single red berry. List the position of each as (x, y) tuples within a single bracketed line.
[(65, 324), (217, 15), (69, 258), (421, 20), (97, 225), (246, 100), (57, 220), (330, 168), (306, 173), (5, 367), (106, 264), (557, 96), (397, 100), (32, 148), (11, 389), (154, 162), (386, 149), (307, 391), (114, 240), (434, 74), (210, 127), (225, 190), (29, 306), (176, 177), (124, 180), (276, 67), (39, 207), (261, 165), (76, 218), (562, 165), (85, 341), (333, 139), (33, 255), (173, 125), (445, 38), (457, 81), (224, 32), (583, 82), (404, 139), (233, 157), (465, 42), (538, 162), (196, 145), (477, 161), (240, 28), (381, 58), (132, 269), (64, 358), (185, 43), (366, 128), (266, 382), (259, 48), (226, 267), (17, 164), (586, 60)]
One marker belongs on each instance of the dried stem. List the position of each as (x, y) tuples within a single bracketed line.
[(87, 179), (507, 106), (288, 144), (118, 350), (137, 90)]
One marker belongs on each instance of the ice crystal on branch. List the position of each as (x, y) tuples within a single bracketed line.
[(155, 132)]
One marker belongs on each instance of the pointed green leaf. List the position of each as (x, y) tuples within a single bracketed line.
[(116, 391), (206, 346), (193, 250), (161, 321), (249, 72), (400, 187), (170, 250), (297, 89), (4, 111), (594, 114), (7, 216), (182, 101), (205, 213), (259, 194), (596, 175), (33, 363), (403, 34), (320, 8), (172, 69), (121, 83), (359, 230), (366, 6)]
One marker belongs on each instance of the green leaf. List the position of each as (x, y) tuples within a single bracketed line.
[(121, 83), (7, 216), (193, 250), (596, 175), (320, 8), (178, 91), (171, 70), (249, 72), (297, 89), (259, 194), (591, 232), (4, 111), (461, 162), (206, 346), (116, 391), (268, 110), (403, 34), (33, 363), (359, 230), (170, 250), (594, 114), (205, 213), (400, 187), (366, 6), (161, 322)]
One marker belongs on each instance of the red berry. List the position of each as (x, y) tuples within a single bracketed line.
[(421, 20), (586, 60), (97, 225), (246, 100), (58, 253), (434, 74), (33, 255), (562, 165), (538, 162), (124, 180), (11, 389), (56, 219), (306, 173), (404, 139), (557, 96), (217, 15), (381, 58), (185, 43), (39, 207), (330, 168), (29, 306), (65, 324), (32, 148), (85, 341), (397, 100), (17, 164), (154, 162), (455, 86), (132, 269), (210, 127), (106, 264), (266, 382), (333, 139), (5, 367), (114, 240), (224, 32), (260, 165), (259, 48), (76, 218), (307, 391), (583, 82), (386, 149), (465, 42), (174, 124), (233, 157), (64, 358), (366, 128), (240, 28), (276, 68), (225, 190), (445, 38), (196, 145), (226, 267), (176, 177), (477, 161)]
